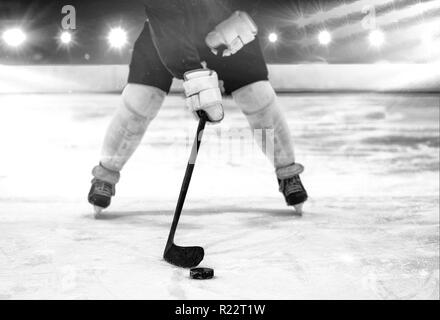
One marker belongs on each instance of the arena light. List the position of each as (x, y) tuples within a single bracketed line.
[(66, 38), (324, 38), (273, 37), (14, 37), (117, 38), (376, 38)]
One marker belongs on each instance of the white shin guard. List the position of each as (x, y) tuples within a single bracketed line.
[(258, 102), (140, 105)]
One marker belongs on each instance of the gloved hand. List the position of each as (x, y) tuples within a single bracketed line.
[(203, 93), (233, 34)]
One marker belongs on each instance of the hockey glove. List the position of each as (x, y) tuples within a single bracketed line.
[(203, 93), (233, 34)]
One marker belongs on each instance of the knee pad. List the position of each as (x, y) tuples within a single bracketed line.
[(140, 105), (258, 102), (255, 98)]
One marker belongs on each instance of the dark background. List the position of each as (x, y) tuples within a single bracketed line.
[(297, 42)]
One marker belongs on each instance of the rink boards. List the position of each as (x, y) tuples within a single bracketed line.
[(381, 77)]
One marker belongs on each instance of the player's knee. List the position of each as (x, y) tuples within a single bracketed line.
[(255, 98), (140, 105), (144, 101)]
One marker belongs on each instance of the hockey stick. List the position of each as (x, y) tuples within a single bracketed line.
[(185, 257)]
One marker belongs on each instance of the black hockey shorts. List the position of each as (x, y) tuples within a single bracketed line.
[(245, 67)]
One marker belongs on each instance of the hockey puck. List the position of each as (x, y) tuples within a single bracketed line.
[(201, 273)]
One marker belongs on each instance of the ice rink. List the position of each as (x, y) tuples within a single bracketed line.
[(369, 231)]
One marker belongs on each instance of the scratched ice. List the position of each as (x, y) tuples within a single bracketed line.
[(370, 229)]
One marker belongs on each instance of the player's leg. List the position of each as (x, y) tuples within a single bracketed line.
[(258, 101), (141, 99), (245, 76)]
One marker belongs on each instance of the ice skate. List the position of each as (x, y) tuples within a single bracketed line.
[(294, 192), (100, 195), (97, 211)]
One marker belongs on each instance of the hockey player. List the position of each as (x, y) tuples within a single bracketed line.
[(178, 36)]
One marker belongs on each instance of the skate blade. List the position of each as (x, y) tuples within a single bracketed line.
[(299, 208), (97, 211)]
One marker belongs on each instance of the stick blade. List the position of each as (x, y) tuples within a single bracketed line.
[(184, 257)]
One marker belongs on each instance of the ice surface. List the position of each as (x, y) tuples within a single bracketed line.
[(370, 229)]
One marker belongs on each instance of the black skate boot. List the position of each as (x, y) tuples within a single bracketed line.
[(103, 188), (100, 194), (292, 187)]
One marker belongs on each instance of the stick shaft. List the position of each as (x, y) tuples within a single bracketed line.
[(186, 180)]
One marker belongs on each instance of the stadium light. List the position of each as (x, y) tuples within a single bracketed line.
[(273, 37), (376, 38), (66, 38), (324, 37), (14, 37), (117, 38)]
